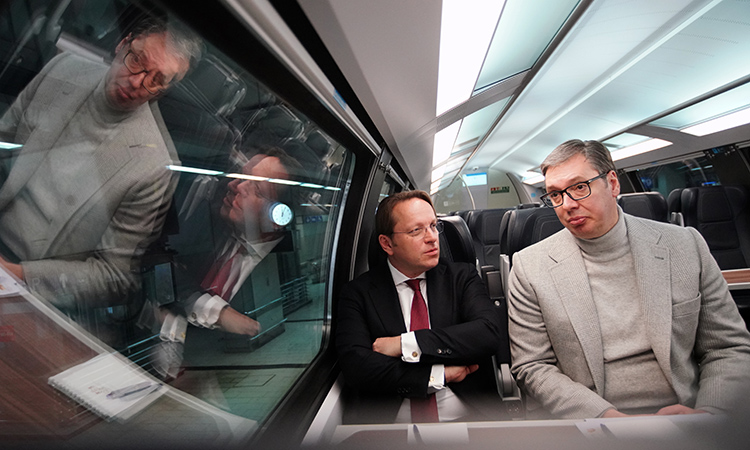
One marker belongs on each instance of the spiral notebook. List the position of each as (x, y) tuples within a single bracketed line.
[(109, 385)]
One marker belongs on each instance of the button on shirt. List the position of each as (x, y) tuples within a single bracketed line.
[(450, 407)]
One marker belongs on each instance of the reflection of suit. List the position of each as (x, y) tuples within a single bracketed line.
[(464, 331), (695, 331), (87, 253), (202, 309)]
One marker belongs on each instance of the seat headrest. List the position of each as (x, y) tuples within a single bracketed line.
[(487, 224), (649, 205), (529, 226), (455, 240)]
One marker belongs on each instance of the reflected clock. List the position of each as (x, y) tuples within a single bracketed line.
[(280, 214)]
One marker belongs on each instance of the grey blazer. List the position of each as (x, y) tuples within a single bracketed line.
[(88, 255), (699, 339)]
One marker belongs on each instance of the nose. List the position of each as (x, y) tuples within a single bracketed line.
[(568, 202), (136, 80), (430, 234), (233, 186)]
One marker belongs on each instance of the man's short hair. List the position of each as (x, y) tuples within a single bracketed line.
[(595, 153), (295, 172), (180, 38), (384, 218)]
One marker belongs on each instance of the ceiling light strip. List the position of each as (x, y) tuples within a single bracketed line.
[(607, 79)]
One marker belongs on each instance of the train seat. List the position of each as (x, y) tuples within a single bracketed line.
[(649, 205), (722, 216), (196, 113), (318, 143), (528, 226), (455, 240), (520, 227), (485, 234), (673, 208), (272, 126)]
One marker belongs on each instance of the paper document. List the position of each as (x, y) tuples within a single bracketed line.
[(109, 385)]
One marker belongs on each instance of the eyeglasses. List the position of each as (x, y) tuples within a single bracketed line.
[(576, 192), (152, 84), (418, 233)]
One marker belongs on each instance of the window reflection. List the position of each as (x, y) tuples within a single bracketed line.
[(226, 291)]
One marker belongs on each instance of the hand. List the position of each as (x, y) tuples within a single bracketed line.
[(234, 322), (613, 413), (456, 374), (389, 346), (673, 410), (14, 269)]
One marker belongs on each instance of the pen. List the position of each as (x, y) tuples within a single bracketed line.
[(130, 390)]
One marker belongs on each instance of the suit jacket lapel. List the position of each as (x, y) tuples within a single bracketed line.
[(438, 298), (385, 301), (572, 284), (652, 270)]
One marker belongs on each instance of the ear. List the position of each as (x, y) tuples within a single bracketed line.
[(614, 183), (123, 43), (386, 244)]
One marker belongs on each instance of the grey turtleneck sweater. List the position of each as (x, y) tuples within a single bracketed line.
[(634, 382)]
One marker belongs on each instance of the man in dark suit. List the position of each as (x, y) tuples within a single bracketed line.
[(420, 339)]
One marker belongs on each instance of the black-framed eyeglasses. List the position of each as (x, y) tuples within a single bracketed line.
[(418, 233), (576, 192), (155, 84)]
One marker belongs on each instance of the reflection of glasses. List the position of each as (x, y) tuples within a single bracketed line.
[(418, 233), (152, 84), (576, 192)]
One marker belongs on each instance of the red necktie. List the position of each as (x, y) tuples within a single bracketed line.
[(422, 409), (215, 282)]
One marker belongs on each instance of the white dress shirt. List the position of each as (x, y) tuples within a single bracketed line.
[(450, 407)]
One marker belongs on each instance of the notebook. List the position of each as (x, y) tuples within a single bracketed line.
[(109, 385)]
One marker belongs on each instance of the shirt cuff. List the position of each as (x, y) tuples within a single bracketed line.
[(437, 378), (173, 329), (410, 351), (205, 311)]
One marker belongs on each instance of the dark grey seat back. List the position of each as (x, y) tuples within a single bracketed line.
[(649, 205)]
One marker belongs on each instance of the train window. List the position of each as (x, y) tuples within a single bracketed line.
[(162, 205), (692, 172), (727, 165), (389, 187)]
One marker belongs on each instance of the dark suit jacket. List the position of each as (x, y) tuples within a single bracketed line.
[(465, 330)]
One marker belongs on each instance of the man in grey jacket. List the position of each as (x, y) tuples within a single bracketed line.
[(89, 188), (618, 315)]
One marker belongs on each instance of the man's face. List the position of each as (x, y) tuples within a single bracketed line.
[(245, 202), (592, 216), (410, 255), (124, 89)]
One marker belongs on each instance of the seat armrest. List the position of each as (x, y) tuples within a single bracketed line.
[(492, 280), (504, 273), (508, 389)]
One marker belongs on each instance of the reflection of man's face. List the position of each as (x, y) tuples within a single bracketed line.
[(244, 204), (124, 89)]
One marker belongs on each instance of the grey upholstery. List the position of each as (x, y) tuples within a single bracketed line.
[(649, 205), (721, 215)]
